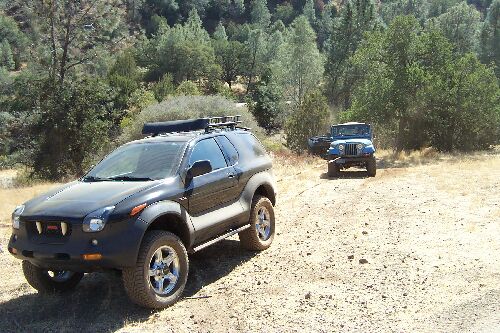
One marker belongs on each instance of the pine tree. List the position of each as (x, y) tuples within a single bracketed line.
[(309, 11), (302, 64), (220, 32), (490, 37), (260, 14), (6, 57), (356, 18)]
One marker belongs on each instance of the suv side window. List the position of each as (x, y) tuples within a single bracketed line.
[(229, 150), (252, 146), (208, 150)]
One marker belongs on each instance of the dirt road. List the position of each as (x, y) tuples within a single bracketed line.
[(415, 249)]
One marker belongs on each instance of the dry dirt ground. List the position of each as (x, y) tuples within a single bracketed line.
[(429, 234)]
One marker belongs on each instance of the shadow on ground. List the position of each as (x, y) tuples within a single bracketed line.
[(346, 175), (100, 304)]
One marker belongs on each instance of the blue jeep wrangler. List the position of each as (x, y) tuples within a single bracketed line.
[(351, 145)]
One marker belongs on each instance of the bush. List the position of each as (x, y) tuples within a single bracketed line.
[(187, 107), (310, 119), (187, 88)]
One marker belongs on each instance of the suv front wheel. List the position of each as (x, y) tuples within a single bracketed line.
[(159, 277), (48, 281), (261, 232)]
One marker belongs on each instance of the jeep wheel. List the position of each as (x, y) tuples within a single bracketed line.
[(371, 167), (47, 281), (160, 274), (261, 232), (333, 169)]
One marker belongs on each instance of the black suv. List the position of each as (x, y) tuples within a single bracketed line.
[(148, 204)]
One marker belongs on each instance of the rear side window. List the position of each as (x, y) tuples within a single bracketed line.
[(249, 145), (208, 150), (229, 150)]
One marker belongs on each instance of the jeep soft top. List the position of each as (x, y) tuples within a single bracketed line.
[(148, 204)]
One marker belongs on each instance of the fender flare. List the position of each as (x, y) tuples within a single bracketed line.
[(260, 179), (168, 207)]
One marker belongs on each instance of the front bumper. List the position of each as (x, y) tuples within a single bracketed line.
[(350, 160), (118, 244)]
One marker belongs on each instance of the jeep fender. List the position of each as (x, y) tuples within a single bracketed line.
[(264, 179), (164, 208)]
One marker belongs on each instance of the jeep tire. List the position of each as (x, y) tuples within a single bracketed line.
[(260, 235), (160, 274), (48, 281), (333, 169), (371, 167)]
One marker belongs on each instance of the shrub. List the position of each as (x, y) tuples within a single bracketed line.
[(311, 118), (187, 107)]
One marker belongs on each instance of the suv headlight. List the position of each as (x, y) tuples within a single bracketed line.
[(359, 146), (341, 147), (15, 216), (96, 221)]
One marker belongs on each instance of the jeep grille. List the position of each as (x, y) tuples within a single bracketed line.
[(351, 149)]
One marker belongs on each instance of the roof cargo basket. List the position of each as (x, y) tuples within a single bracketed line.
[(189, 125)]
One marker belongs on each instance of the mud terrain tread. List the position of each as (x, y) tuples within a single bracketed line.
[(37, 278), (133, 277), (371, 167), (249, 238)]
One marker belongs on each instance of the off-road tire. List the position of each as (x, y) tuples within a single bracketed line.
[(136, 279), (40, 279), (249, 238), (371, 167), (333, 169)]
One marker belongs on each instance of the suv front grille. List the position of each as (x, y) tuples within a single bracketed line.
[(351, 149), (52, 229)]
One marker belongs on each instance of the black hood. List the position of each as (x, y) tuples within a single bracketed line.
[(77, 199)]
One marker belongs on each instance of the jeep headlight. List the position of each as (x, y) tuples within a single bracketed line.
[(341, 147), (96, 221), (16, 216), (359, 146)]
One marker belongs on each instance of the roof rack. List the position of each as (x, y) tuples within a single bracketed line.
[(177, 126)]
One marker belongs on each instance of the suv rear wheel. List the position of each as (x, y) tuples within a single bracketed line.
[(159, 277), (260, 235), (48, 281)]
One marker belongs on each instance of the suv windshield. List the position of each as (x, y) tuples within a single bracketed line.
[(138, 162), (351, 130)]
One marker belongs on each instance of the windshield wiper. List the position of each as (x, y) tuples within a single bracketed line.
[(95, 179), (131, 178)]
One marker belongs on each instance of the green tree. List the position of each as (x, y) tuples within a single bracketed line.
[(125, 77), (187, 88), (461, 25), (73, 33), (309, 11), (390, 62), (268, 106), (17, 40), (6, 56), (490, 37), (309, 119), (355, 19), (164, 88), (393, 8), (285, 13), (72, 126), (260, 15), (220, 32), (231, 57), (462, 106)]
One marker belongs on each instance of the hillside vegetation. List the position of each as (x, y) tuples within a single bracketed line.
[(76, 75)]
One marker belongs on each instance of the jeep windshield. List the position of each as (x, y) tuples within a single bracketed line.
[(350, 130), (138, 162)]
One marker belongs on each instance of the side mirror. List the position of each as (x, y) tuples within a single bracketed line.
[(199, 168)]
